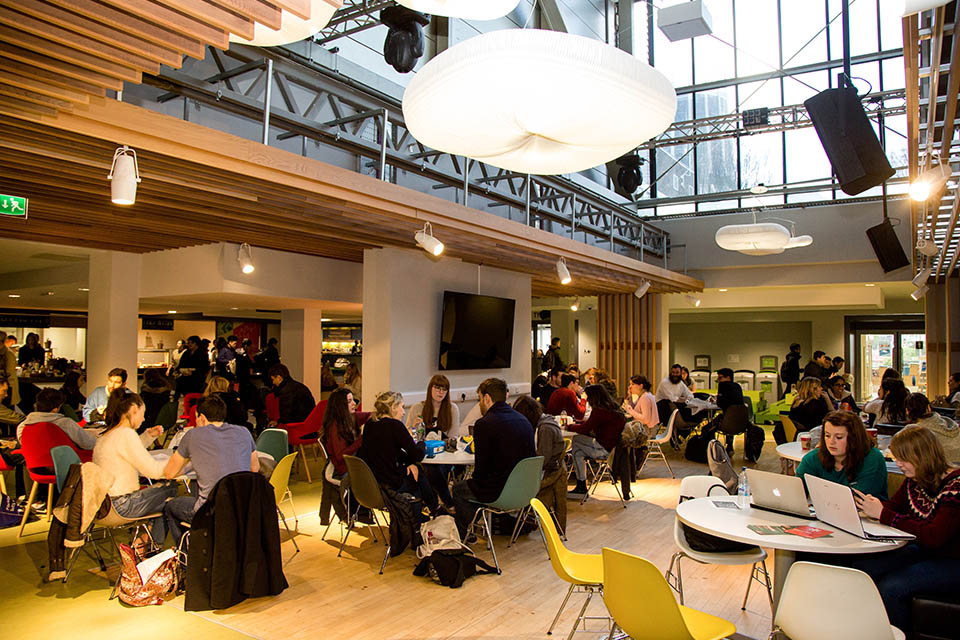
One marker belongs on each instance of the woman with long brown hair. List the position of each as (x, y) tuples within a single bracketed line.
[(846, 455), (810, 404), (341, 428), (439, 415)]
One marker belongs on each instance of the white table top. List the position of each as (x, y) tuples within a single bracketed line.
[(791, 451), (450, 457), (731, 524), (568, 434), (701, 405)]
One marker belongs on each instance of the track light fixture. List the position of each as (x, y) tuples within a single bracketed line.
[(245, 258), (922, 276), (629, 177), (642, 289), (930, 182), (562, 272), (576, 304), (927, 246), (694, 300), (427, 242), (404, 43), (124, 176), (920, 292)]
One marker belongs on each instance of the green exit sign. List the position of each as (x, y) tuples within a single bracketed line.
[(13, 206)]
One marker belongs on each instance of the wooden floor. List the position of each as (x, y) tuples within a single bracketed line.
[(333, 598)]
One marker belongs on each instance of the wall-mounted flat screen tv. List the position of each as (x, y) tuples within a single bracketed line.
[(476, 332)]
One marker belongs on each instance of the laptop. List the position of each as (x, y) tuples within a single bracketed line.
[(779, 493), (835, 506)]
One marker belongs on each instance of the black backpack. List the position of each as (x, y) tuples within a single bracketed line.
[(753, 442), (450, 567), (696, 450)]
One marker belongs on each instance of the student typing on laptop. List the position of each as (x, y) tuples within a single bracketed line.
[(846, 455)]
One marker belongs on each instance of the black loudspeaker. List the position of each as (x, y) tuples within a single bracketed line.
[(847, 136), (887, 246)]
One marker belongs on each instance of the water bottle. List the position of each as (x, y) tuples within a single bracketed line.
[(743, 489), (421, 432)]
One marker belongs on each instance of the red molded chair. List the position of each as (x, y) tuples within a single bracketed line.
[(4, 467), (36, 441), (296, 431), (272, 403), (190, 401)]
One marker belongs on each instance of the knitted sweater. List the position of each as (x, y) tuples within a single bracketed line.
[(935, 520), (123, 454)]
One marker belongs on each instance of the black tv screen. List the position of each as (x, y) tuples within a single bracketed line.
[(476, 332)]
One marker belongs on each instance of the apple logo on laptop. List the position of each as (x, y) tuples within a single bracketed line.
[(776, 492)]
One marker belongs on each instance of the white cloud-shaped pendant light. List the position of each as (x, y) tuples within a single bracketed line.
[(292, 28), (755, 239), (464, 9), (536, 101)]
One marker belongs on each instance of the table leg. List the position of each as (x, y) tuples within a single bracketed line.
[(782, 561)]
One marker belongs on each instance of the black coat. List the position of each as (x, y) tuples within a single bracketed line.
[(295, 400), (234, 545), (502, 438), (729, 393)]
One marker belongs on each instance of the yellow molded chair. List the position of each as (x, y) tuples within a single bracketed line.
[(280, 481), (789, 428), (643, 606), (584, 571)]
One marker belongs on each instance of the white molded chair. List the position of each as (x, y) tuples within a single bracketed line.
[(812, 608), (655, 445), (700, 487)]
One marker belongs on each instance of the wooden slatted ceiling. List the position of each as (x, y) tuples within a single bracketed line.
[(78, 48), (201, 185)]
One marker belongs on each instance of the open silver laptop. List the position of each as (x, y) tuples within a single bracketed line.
[(778, 492), (835, 506)]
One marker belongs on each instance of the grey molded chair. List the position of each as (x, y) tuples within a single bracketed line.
[(521, 487), (275, 442), (63, 456), (366, 491)]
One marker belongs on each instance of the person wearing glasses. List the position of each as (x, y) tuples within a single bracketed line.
[(440, 416)]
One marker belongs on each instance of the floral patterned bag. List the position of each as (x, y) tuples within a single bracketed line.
[(162, 583)]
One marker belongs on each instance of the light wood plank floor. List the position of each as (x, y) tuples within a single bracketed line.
[(334, 598)]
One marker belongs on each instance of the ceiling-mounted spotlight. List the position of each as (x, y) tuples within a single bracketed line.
[(922, 276), (124, 176), (642, 289), (694, 300), (629, 177), (404, 43), (920, 292), (930, 182), (576, 305), (245, 258), (562, 272), (759, 189), (927, 246), (427, 242)]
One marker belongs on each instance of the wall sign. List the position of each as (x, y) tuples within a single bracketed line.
[(156, 324)]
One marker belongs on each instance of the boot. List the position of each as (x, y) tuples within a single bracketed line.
[(578, 491)]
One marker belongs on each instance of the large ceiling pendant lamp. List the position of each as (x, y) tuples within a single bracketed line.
[(292, 28), (535, 101), (759, 238), (463, 9)]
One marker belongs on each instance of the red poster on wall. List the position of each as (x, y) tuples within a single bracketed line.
[(250, 330)]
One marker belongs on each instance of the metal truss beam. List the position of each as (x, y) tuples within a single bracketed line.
[(354, 16)]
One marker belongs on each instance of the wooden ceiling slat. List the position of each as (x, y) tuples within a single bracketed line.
[(175, 21), (301, 8), (43, 88), (266, 14), (31, 96), (212, 15), (37, 73), (17, 107), (133, 25), (91, 29), (57, 67), (68, 54)]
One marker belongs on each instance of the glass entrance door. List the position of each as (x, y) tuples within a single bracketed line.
[(913, 361), (905, 352)]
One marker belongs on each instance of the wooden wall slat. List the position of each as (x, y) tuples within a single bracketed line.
[(629, 339)]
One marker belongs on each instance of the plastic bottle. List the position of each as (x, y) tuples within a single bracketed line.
[(743, 489), (421, 432)]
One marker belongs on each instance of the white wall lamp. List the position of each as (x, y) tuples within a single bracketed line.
[(694, 300), (245, 258), (922, 276), (124, 176), (426, 241), (562, 272), (642, 289), (920, 292), (927, 246), (576, 304)]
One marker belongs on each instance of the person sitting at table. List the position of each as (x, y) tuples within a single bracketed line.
[(32, 351), (352, 380), (946, 429), (565, 400), (216, 448), (122, 454), (673, 394), (391, 453), (327, 380), (597, 436), (440, 418), (553, 383), (846, 455), (687, 380), (223, 389), (926, 505), (294, 399), (890, 405), (810, 404), (550, 444), (10, 419), (95, 407), (155, 392), (71, 389), (641, 406), (729, 393), (503, 437), (841, 398), (341, 428), (48, 406)]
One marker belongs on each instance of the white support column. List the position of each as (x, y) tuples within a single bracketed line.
[(301, 339), (112, 318)]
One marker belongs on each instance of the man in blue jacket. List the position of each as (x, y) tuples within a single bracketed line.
[(502, 438)]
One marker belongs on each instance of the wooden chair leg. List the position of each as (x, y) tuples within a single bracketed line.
[(3, 484), (49, 502), (306, 467), (26, 509)]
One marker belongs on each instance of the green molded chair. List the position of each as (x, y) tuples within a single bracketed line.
[(63, 456), (167, 416), (366, 491), (522, 486), (274, 442), (70, 412)]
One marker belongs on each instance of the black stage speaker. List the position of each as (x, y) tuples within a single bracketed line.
[(848, 138), (887, 246)]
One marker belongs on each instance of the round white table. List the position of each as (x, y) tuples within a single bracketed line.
[(457, 457), (698, 405), (791, 451), (731, 524)]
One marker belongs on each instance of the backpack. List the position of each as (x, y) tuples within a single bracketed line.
[(450, 568), (753, 442), (696, 450), (439, 534), (10, 513)]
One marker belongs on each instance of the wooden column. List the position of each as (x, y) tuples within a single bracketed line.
[(629, 337), (942, 309)]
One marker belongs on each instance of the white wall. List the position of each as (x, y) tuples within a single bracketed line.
[(402, 303), (66, 342)]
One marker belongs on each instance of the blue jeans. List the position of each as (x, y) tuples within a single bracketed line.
[(179, 510), (586, 447), (146, 501)]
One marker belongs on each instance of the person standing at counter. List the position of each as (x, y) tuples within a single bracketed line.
[(94, 409), (8, 367), (846, 455), (191, 371), (32, 351)]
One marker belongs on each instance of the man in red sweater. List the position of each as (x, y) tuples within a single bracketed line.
[(567, 398)]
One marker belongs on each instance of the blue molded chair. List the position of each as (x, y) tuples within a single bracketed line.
[(275, 442), (63, 456)]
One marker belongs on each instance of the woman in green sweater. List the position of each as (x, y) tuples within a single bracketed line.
[(846, 455)]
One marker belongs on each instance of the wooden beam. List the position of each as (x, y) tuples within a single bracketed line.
[(18, 108), (213, 16), (953, 88), (300, 8), (31, 84), (197, 29), (266, 14), (29, 71), (911, 61), (31, 96), (69, 54), (54, 67)]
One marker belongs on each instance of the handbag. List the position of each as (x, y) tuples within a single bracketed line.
[(10, 512)]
